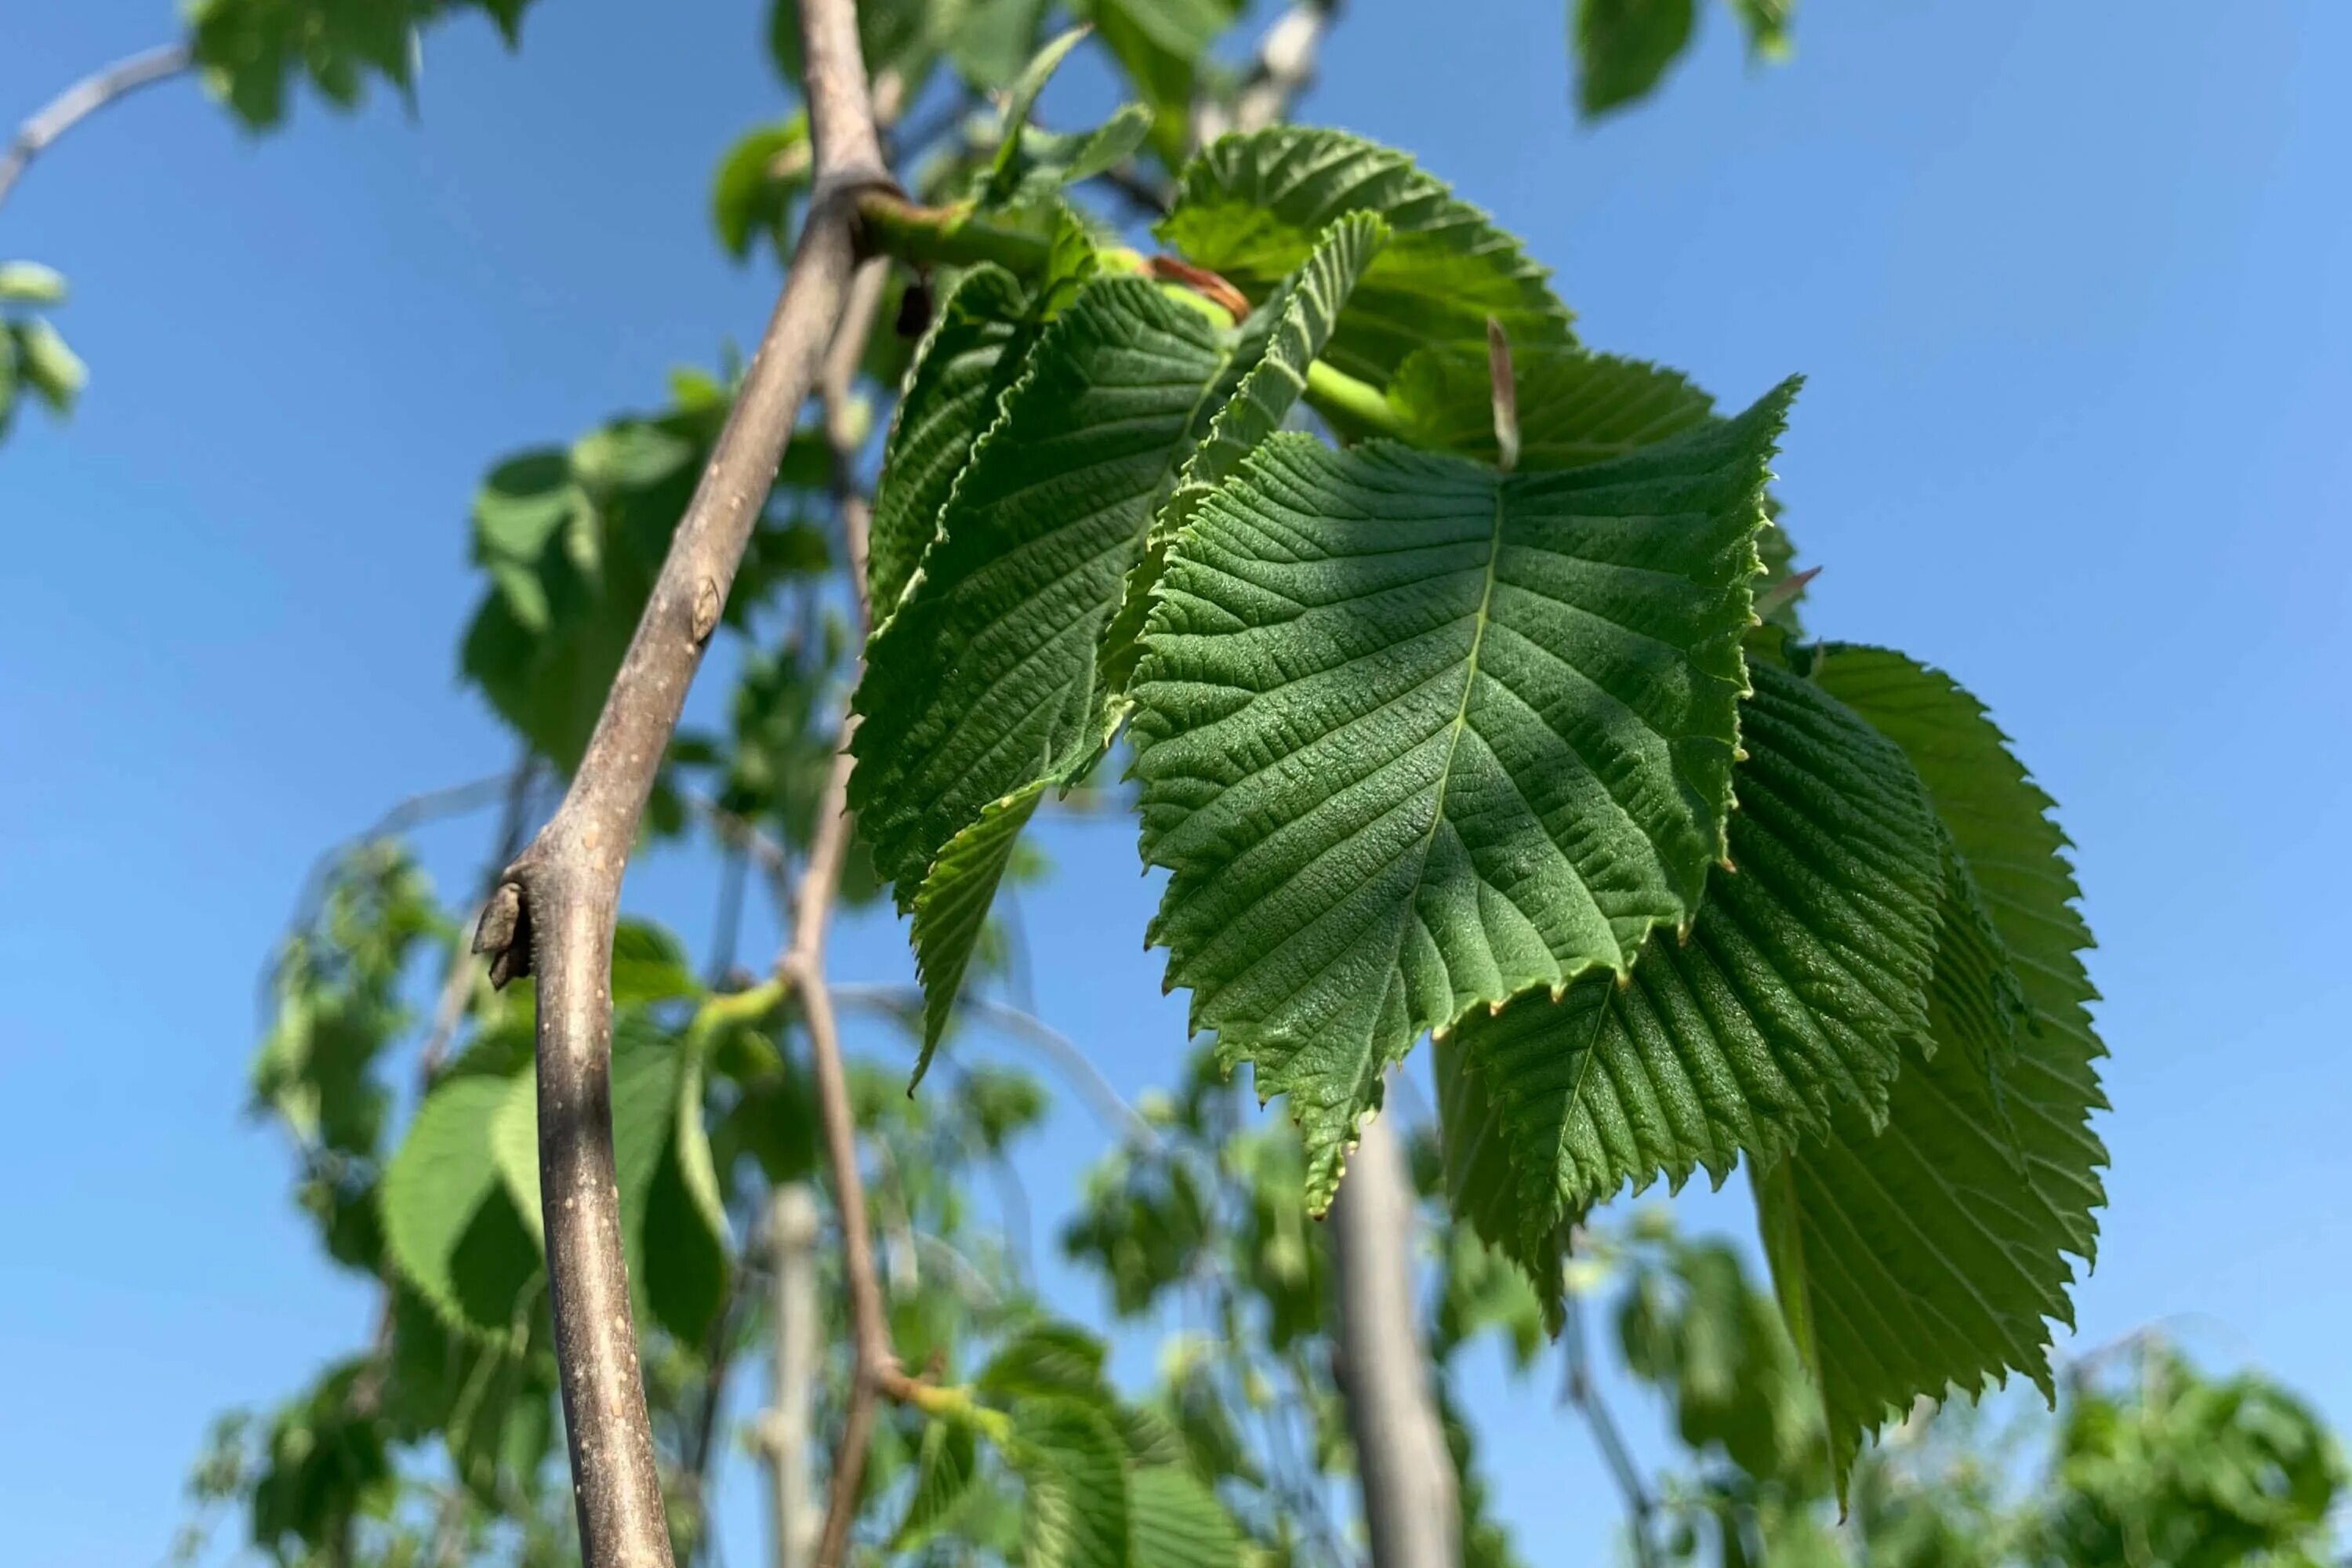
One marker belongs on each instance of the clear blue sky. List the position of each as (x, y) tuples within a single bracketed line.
[(2069, 285)]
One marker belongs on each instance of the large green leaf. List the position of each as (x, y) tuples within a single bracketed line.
[(1252, 207), (1803, 979), (1077, 1513), (1415, 736), (951, 400), (1930, 1253), (985, 678), (1284, 339), (249, 51), (1179, 1523)]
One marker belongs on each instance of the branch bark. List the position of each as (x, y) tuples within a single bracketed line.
[(84, 98), (554, 913), (1410, 1506), (792, 1253)]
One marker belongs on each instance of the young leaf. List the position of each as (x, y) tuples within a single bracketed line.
[(1574, 407), (1623, 46), (1931, 1253), (30, 283), (1020, 99), (758, 181), (1251, 208), (1415, 736), (54, 371), (951, 910), (1803, 978), (1160, 43)]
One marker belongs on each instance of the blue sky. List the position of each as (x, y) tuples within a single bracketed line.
[(2068, 286)]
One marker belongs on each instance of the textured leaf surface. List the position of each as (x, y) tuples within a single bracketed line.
[(1415, 737), (1251, 207), (1574, 407), (1179, 1523), (944, 1467), (1931, 1253), (952, 911), (1077, 1514), (1805, 976), (950, 402), (1293, 328), (985, 680)]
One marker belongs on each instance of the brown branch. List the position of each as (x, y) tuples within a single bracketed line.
[(84, 98), (553, 914), (874, 1370)]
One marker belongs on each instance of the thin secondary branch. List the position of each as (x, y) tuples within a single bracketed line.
[(1112, 1111), (1577, 1388), (84, 98), (553, 914)]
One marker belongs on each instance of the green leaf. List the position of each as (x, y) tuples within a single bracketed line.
[(951, 910), (1804, 977), (1179, 1523), (967, 360), (984, 680), (1623, 47), (1162, 45), (1251, 208), (1766, 23), (449, 1223), (1296, 325), (672, 1223), (648, 965), (1415, 737), (1076, 1513), (54, 371), (1930, 1253), (944, 1468), (989, 39), (758, 181), (30, 283), (1020, 102), (1049, 1361), (1574, 407)]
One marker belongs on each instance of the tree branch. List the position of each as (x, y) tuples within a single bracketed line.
[(1411, 1504), (1576, 1388), (553, 914), (791, 1233), (84, 98)]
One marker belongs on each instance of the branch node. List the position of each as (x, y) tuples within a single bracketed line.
[(504, 933), (707, 602)]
